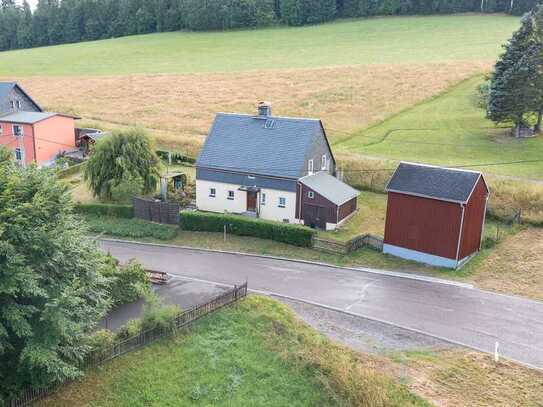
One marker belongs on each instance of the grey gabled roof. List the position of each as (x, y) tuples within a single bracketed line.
[(5, 90), (446, 184), (239, 142), (330, 187), (26, 117)]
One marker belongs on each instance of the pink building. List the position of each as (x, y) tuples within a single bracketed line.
[(32, 134)]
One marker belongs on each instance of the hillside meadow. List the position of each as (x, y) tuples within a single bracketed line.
[(349, 73)]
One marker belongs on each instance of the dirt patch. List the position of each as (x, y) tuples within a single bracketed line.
[(181, 107), (515, 266)]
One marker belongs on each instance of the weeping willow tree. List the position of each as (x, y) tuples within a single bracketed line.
[(124, 158)]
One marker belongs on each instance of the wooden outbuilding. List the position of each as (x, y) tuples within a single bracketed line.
[(435, 215)]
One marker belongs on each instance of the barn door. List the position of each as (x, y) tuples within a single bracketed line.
[(315, 216)]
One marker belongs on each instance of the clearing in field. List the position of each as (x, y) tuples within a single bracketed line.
[(449, 130)]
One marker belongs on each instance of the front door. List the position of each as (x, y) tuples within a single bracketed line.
[(251, 201)]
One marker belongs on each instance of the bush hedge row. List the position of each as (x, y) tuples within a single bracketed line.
[(99, 209), (282, 232), (133, 228)]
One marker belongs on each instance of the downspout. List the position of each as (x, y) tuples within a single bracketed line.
[(34, 144), (460, 234), (299, 193), (484, 223)]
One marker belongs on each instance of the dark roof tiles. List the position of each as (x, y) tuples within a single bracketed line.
[(440, 183)]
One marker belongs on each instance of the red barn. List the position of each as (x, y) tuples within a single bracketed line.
[(435, 215)]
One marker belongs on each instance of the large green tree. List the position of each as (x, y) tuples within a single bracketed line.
[(52, 292), (124, 157)]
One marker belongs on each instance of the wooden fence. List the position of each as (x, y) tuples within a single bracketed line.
[(144, 338), (157, 211), (337, 247)]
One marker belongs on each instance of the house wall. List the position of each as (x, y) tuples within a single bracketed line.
[(423, 225), (26, 143), (220, 203), (318, 148), (318, 200), (53, 135), (26, 104), (474, 217), (347, 208)]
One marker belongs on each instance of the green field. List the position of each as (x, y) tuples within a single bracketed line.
[(387, 40), (450, 129), (254, 354)]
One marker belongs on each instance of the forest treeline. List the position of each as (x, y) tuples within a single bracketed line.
[(68, 21)]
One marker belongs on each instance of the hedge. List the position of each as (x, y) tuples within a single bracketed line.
[(74, 169), (116, 210), (282, 232)]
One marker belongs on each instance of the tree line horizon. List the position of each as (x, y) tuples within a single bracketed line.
[(70, 21)]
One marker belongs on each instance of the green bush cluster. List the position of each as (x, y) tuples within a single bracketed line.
[(127, 283), (242, 226), (99, 209), (74, 169), (177, 157), (133, 228)]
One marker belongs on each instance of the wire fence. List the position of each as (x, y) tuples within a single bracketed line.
[(101, 356)]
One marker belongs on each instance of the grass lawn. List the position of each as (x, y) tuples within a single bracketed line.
[(369, 41), (448, 130), (256, 353)]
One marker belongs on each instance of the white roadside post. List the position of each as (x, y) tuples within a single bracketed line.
[(496, 352)]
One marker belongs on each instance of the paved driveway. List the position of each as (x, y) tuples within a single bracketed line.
[(465, 315)]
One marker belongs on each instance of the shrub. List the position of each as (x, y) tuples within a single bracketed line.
[(132, 228), (158, 315), (99, 209), (127, 283), (100, 343), (130, 329), (72, 170), (177, 157), (214, 222)]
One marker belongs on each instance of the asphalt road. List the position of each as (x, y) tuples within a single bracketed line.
[(464, 315)]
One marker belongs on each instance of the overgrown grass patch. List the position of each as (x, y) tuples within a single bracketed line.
[(130, 228), (256, 353)]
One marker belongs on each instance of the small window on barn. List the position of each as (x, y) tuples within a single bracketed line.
[(282, 202), (310, 166), (17, 130), (263, 199), (231, 195), (212, 192), (311, 195)]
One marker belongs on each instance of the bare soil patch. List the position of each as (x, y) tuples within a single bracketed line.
[(180, 108)]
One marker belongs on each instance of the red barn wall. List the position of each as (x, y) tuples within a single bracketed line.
[(473, 220), (319, 200), (347, 208), (422, 224)]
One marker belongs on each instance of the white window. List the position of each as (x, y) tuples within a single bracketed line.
[(19, 154), (1, 130), (263, 199), (212, 192), (19, 104), (310, 166), (323, 167), (12, 104), (17, 130), (230, 195), (311, 195), (282, 202)]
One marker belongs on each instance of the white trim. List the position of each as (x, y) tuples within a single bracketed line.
[(21, 153), (461, 232), (420, 257), (310, 166), (324, 162)]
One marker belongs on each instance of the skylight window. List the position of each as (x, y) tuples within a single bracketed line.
[(270, 124)]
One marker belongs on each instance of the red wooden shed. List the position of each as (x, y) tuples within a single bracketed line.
[(435, 215)]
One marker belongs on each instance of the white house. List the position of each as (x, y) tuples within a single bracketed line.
[(274, 168)]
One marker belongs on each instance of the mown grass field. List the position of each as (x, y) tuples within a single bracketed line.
[(255, 353), (450, 129), (371, 41), (348, 73)]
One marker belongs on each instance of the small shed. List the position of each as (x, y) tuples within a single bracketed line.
[(325, 201), (435, 215)]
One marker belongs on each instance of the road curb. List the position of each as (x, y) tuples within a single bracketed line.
[(388, 273), (360, 316)]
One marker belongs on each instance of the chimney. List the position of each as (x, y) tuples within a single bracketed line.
[(264, 109)]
